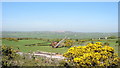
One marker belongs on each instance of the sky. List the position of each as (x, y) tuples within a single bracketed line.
[(60, 16)]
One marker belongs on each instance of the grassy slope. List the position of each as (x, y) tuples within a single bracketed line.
[(23, 48)]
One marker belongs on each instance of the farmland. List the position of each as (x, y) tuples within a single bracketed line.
[(26, 42), (52, 35), (21, 45), (46, 48), (60, 33)]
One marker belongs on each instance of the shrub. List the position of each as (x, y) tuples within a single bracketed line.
[(118, 42), (8, 54), (68, 43), (112, 37), (106, 43), (62, 63), (92, 55)]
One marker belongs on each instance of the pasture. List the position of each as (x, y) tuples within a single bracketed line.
[(53, 35), (20, 45), (27, 60)]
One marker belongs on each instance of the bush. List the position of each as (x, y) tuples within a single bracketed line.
[(63, 63), (92, 55), (68, 43), (112, 37), (8, 54), (118, 42), (106, 43), (10, 58)]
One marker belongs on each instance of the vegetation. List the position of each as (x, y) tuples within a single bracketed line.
[(57, 35), (92, 55), (112, 37), (69, 43), (79, 48), (20, 46), (11, 58), (8, 54)]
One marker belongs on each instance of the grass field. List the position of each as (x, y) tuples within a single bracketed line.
[(52, 35), (21, 45)]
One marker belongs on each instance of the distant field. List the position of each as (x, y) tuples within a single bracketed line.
[(48, 34)]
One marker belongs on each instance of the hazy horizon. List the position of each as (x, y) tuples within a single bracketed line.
[(60, 31), (60, 16)]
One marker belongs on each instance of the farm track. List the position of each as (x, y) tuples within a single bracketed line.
[(45, 54)]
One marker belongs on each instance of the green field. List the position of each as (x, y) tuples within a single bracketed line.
[(21, 45), (52, 35)]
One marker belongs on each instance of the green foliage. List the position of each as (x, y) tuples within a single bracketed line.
[(8, 54), (63, 63), (106, 43), (112, 37), (10, 58), (36, 62), (69, 43), (11, 39), (118, 41), (77, 40), (21, 45)]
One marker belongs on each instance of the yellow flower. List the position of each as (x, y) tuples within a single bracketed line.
[(77, 59), (92, 54), (99, 43)]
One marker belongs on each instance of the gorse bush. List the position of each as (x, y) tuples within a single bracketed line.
[(95, 54), (68, 43), (10, 58), (11, 39), (8, 54)]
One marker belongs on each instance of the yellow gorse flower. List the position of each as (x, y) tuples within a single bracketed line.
[(92, 55)]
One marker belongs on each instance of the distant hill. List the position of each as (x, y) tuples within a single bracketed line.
[(55, 34)]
